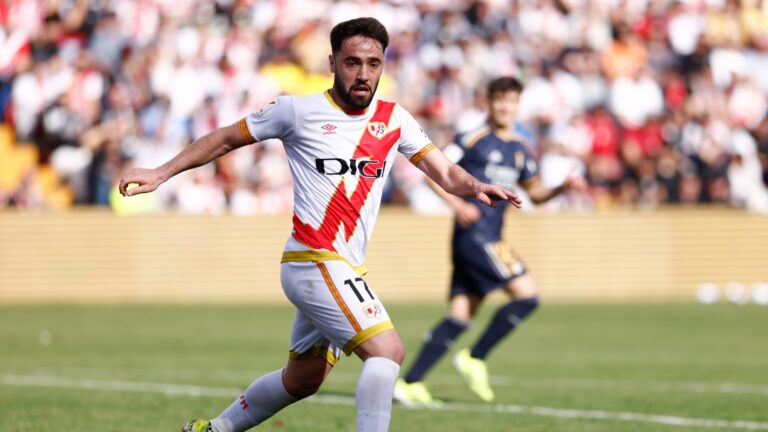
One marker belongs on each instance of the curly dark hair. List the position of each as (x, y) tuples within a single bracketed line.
[(368, 27)]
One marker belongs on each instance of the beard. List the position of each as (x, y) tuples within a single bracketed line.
[(350, 99)]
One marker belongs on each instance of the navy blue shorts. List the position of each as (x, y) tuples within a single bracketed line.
[(479, 268)]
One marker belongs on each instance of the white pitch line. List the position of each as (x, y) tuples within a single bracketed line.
[(597, 383), (203, 391), (496, 380)]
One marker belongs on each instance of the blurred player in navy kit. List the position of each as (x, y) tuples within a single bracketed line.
[(482, 262)]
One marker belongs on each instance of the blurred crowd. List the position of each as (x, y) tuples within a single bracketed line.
[(654, 101)]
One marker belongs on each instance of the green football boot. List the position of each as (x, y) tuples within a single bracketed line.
[(475, 373), (414, 394), (197, 426)]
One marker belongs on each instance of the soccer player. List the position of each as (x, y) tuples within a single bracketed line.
[(482, 262), (341, 145)]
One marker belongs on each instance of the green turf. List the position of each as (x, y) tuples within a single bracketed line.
[(691, 361)]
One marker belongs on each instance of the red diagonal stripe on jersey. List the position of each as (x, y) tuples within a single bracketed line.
[(342, 209)]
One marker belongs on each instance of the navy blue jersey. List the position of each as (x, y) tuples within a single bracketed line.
[(491, 160)]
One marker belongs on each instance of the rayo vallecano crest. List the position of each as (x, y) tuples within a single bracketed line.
[(372, 310), (377, 129)]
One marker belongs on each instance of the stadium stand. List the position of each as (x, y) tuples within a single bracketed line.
[(657, 102)]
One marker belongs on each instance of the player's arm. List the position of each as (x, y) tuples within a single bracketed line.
[(200, 152), (456, 181), (541, 194), (466, 212)]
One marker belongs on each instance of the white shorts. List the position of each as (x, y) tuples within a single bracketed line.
[(335, 309)]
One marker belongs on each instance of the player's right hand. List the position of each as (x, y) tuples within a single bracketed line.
[(575, 182), (467, 214), (141, 181), (488, 194)]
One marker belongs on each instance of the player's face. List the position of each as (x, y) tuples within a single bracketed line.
[(357, 67), (504, 108)]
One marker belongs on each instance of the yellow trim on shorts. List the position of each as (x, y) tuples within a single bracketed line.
[(246, 134), (415, 159), (366, 334), (337, 296), (316, 351), (320, 255)]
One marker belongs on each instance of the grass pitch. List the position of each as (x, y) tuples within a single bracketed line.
[(569, 368)]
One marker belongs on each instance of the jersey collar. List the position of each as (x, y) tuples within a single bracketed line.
[(327, 94)]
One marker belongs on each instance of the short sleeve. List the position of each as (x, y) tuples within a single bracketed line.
[(274, 120), (414, 142), (455, 150)]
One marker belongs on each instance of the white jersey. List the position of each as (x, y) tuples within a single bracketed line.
[(339, 161)]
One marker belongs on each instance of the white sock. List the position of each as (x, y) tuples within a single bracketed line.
[(374, 394), (260, 401)]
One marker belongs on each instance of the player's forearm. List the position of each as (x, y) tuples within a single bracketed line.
[(200, 152), (452, 178), (458, 182), (540, 194)]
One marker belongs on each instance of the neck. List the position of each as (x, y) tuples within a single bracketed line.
[(503, 132)]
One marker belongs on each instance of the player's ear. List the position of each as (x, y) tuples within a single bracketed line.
[(331, 62)]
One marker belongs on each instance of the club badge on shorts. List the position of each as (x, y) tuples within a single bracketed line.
[(372, 310)]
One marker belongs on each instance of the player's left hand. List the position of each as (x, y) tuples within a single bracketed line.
[(488, 194), (575, 182)]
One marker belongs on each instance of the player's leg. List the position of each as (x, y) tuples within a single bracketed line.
[(311, 360), (463, 307), (525, 300), (440, 338), (303, 377), (347, 312), (382, 356), (474, 372), (411, 390), (471, 363), (498, 266), (272, 392)]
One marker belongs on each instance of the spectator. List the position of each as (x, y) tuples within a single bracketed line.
[(655, 101)]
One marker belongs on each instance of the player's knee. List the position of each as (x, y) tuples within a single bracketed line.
[(398, 354), (387, 345), (304, 377), (395, 352), (524, 288), (304, 387)]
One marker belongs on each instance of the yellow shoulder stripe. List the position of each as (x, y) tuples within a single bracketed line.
[(470, 140)]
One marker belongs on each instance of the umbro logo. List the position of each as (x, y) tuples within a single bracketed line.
[(328, 128)]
